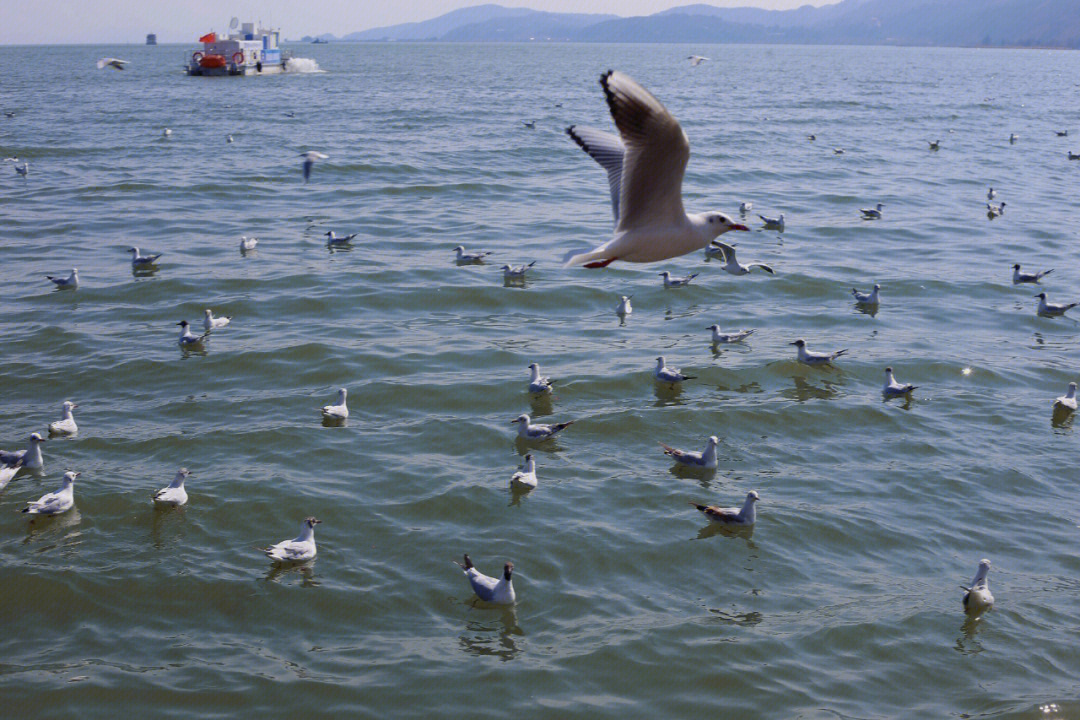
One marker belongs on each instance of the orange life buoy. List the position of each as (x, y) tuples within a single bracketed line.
[(238, 57), (196, 57)]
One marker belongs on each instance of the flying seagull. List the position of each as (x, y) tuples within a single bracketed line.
[(111, 62), (309, 160)]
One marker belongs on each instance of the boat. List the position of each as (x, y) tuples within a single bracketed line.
[(250, 51), (151, 39), (319, 41)]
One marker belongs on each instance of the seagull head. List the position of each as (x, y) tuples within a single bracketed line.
[(36, 438), (534, 366), (664, 274), (1016, 266), (70, 476), (660, 361), (721, 223), (1041, 296), (182, 473), (523, 418), (1072, 386), (133, 250), (183, 323), (68, 405), (508, 570), (713, 440), (876, 286), (459, 249), (799, 343), (714, 328), (207, 312), (342, 393), (752, 496), (311, 522)]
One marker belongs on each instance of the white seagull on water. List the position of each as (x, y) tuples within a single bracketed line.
[(977, 597), (670, 282), (174, 493), (340, 411), (815, 358), (867, 298), (214, 323), (166, 132), (1023, 277), (56, 502), (994, 211), (872, 213), (71, 282), (299, 549), (670, 375), (247, 244), (704, 459), (893, 388), (469, 258), (538, 385), (645, 165), (776, 223), (719, 338), (991, 194), (187, 338), (309, 161), (1068, 400), (498, 591), (746, 515), (66, 424), (140, 261), (30, 457), (525, 477), (332, 239), (23, 169), (1049, 308), (733, 267), (624, 308), (516, 272), (527, 430)]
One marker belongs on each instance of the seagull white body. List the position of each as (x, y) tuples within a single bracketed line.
[(873, 213), (995, 210), (228, 139), (745, 207), (720, 338), (538, 385), (705, 459), (187, 338), (247, 243), (991, 194), (214, 323), (7, 472), (526, 476), (71, 282), (66, 424), (672, 375), (56, 502), (309, 161), (332, 239), (516, 272), (23, 169), (867, 298), (1023, 277), (111, 62), (977, 597), (340, 410), (173, 493), (530, 124), (893, 388), (746, 515), (624, 308), (528, 430), (1049, 308), (140, 261), (696, 60), (299, 549), (166, 132), (732, 266), (469, 258), (838, 151), (1068, 400), (935, 144), (645, 164), (30, 458), (497, 591), (815, 358), (776, 223), (670, 282)]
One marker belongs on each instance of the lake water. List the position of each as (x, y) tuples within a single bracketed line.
[(843, 600)]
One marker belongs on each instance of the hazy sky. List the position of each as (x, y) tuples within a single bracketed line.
[(126, 21)]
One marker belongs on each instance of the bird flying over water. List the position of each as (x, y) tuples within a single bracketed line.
[(309, 161), (111, 62)]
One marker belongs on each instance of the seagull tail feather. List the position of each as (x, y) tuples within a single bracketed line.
[(840, 352)]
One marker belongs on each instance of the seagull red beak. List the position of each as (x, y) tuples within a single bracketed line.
[(740, 227)]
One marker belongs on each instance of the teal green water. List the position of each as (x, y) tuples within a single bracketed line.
[(842, 601)]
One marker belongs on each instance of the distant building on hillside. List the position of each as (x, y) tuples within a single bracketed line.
[(151, 39)]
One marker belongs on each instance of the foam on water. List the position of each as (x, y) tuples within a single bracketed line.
[(302, 65)]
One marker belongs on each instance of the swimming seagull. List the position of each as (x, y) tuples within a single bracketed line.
[(340, 411), (670, 282), (71, 282), (1049, 308), (838, 151), (527, 430), (228, 139), (7, 472), (645, 165), (516, 272), (995, 210), (776, 223), (299, 549), (174, 493), (733, 266), (704, 459), (488, 589), (530, 124), (811, 138), (469, 258), (991, 194), (872, 213), (1013, 137), (719, 338), (332, 239), (815, 358), (1023, 277), (309, 160), (539, 385), (140, 262), (624, 308), (23, 169), (57, 502), (1068, 400), (166, 132), (247, 244), (30, 457), (935, 144), (864, 298), (1073, 156), (111, 62), (745, 207), (188, 339), (214, 323), (746, 515), (1062, 133), (525, 477), (977, 595), (670, 375), (66, 424), (696, 60), (893, 388)]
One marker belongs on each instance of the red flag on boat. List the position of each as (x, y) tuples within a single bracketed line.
[(208, 38)]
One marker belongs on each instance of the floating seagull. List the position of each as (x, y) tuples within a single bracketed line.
[(7, 472), (1048, 308), (704, 459), (776, 223), (1068, 400), (530, 124), (174, 493), (340, 411), (811, 138), (332, 239), (670, 375), (527, 430), (71, 282), (247, 244), (872, 213), (1013, 137), (539, 385), (300, 549), (526, 476), (719, 338), (935, 144), (1023, 277), (9, 113), (309, 160), (670, 282), (23, 169), (746, 515), (469, 258), (838, 151), (1062, 133), (815, 358), (696, 60), (488, 589), (893, 388), (733, 266), (991, 194), (141, 262), (977, 597), (645, 166), (12, 159), (166, 132), (187, 339), (995, 210), (66, 424), (214, 323), (624, 308), (870, 298), (516, 272), (57, 502), (290, 114), (30, 457), (228, 139), (1074, 156), (111, 62), (745, 207)]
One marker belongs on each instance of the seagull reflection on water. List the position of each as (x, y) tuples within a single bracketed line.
[(305, 572), (499, 636)]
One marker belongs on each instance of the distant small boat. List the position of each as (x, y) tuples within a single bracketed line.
[(320, 41), (151, 39)]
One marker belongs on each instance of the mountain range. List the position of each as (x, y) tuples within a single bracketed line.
[(1013, 23)]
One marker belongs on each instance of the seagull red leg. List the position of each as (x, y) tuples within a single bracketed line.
[(600, 263)]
